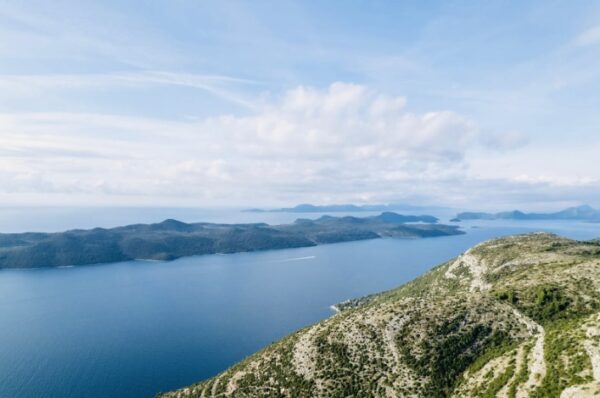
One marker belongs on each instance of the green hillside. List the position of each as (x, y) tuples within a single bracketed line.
[(512, 317)]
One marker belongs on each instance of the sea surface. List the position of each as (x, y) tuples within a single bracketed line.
[(135, 328)]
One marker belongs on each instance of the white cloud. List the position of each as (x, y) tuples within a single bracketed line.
[(588, 37), (345, 142), (35, 85)]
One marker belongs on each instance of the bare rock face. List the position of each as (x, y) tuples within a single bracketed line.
[(512, 317)]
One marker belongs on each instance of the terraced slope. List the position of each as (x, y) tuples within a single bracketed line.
[(512, 317)]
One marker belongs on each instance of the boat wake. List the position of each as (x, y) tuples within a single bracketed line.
[(287, 260)]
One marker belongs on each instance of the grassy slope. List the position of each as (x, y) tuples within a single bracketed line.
[(513, 317)]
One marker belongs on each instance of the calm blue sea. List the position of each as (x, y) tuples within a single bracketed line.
[(136, 328)]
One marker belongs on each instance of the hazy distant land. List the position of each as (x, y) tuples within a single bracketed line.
[(343, 208), (172, 239), (583, 213)]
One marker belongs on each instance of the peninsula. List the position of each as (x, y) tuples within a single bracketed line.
[(512, 317)]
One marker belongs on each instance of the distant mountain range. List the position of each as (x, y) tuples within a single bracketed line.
[(171, 239), (585, 213), (340, 208)]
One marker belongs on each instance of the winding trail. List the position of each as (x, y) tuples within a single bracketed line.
[(213, 391), (592, 348), (536, 362), (476, 268)]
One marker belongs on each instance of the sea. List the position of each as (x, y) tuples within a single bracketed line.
[(136, 328)]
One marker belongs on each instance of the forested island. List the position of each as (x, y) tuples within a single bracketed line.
[(172, 239)]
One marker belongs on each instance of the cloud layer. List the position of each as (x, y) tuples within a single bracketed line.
[(212, 103), (346, 142)]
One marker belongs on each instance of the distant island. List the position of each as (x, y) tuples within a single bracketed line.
[(341, 208), (172, 239), (584, 213)]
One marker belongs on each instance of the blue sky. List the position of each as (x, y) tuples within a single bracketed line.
[(467, 104)]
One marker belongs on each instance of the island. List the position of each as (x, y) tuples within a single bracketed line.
[(172, 239), (582, 213), (341, 208)]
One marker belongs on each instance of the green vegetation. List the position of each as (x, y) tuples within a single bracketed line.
[(496, 384), (523, 372), (543, 303), (565, 357), (498, 347), (550, 303)]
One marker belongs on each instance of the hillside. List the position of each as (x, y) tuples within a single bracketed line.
[(512, 317), (172, 239)]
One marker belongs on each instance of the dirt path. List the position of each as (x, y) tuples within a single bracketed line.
[(535, 361), (476, 268)]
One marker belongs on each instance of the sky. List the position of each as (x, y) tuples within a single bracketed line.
[(478, 105)]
